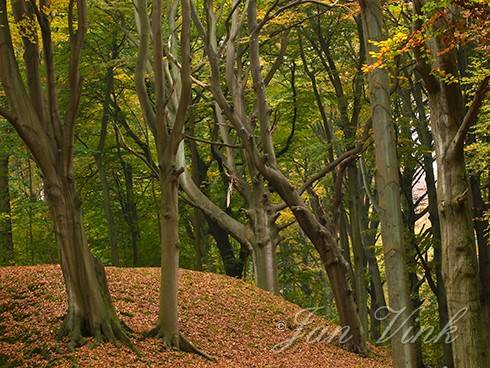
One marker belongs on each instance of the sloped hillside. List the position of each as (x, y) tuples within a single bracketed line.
[(229, 319)]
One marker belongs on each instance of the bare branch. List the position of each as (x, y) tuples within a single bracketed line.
[(222, 144), (279, 58)]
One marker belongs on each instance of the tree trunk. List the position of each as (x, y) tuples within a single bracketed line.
[(99, 160), (479, 209), (131, 212), (90, 309), (266, 267), (388, 185), (357, 245), (170, 246), (426, 139), (264, 249), (6, 241), (337, 271), (450, 126), (459, 261), (232, 264), (108, 210)]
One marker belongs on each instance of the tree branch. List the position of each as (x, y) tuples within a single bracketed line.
[(470, 117)]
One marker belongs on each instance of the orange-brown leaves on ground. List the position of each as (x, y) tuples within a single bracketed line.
[(227, 318)]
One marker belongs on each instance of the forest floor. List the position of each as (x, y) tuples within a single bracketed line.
[(233, 321)]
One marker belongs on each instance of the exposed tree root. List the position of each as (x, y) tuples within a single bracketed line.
[(77, 328), (180, 343), (189, 347)]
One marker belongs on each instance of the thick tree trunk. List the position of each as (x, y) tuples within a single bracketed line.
[(459, 261), (90, 309), (266, 267), (450, 126), (338, 271), (388, 185), (6, 241), (264, 249)]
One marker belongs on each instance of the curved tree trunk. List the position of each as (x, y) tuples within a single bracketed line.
[(338, 270), (90, 309)]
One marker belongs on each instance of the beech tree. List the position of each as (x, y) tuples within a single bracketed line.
[(166, 119), (260, 236), (322, 235), (450, 123), (388, 185), (35, 113)]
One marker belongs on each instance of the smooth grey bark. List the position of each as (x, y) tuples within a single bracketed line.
[(388, 186)]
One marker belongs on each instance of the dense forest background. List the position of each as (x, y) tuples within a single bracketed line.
[(302, 77)]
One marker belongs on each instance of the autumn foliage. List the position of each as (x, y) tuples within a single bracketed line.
[(234, 321)]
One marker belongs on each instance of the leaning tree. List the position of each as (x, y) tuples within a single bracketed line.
[(262, 156)]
